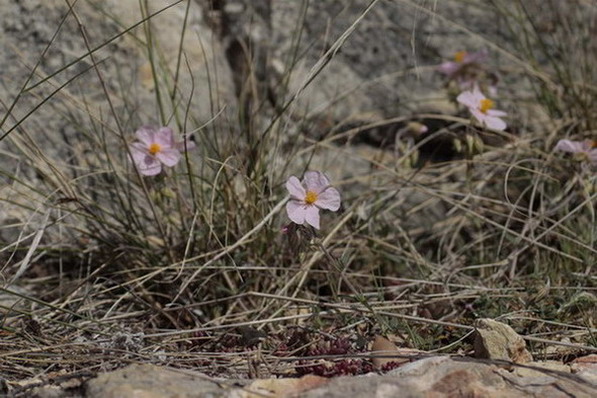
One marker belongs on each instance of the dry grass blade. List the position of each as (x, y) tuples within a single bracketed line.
[(26, 262)]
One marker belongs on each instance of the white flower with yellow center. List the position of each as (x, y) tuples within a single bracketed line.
[(308, 197), (585, 150), (482, 109)]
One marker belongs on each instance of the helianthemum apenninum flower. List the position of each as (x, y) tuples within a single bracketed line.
[(156, 147), (482, 109), (309, 196), (461, 60), (586, 149)]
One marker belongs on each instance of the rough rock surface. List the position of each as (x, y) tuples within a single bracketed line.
[(445, 377), (586, 367), (58, 131), (123, 59), (149, 381), (496, 340), (280, 387), (435, 377), (382, 67)]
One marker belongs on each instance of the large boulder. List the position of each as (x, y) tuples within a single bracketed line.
[(66, 112)]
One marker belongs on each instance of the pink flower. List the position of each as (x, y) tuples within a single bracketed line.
[(308, 197), (482, 109), (156, 147), (587, 149), (461, 60)]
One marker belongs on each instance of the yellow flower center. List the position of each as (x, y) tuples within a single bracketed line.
[(459, 56), (593, 144), (154, 148), (310, 197), (485, 104)]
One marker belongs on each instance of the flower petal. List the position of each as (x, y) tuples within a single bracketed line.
[(152, 168), (146, 164), (185, 145), (312, 216), (495, 123), (146, 134), (496, 113), (589, 145), (478, 94), (489, 121), (316, 181), (297, 211), (468, 99), (329, 199), (480, 116), (478, 57), (449, 68), (570, 146), (165, 137), (168, 156), (138, 157), (138, 148), (296, 189)]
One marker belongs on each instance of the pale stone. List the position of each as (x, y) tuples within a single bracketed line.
[(496, 340), (440, 377), (56, 132), (586, 367), (284, 387), (150, 381), (534, 369), (435, 377)]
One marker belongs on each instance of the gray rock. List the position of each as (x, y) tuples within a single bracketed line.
[(27, 28), (52, 145), (386, 66), (445, 377), (586, 367), (149, 381), (496, 340), (431, 377)]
